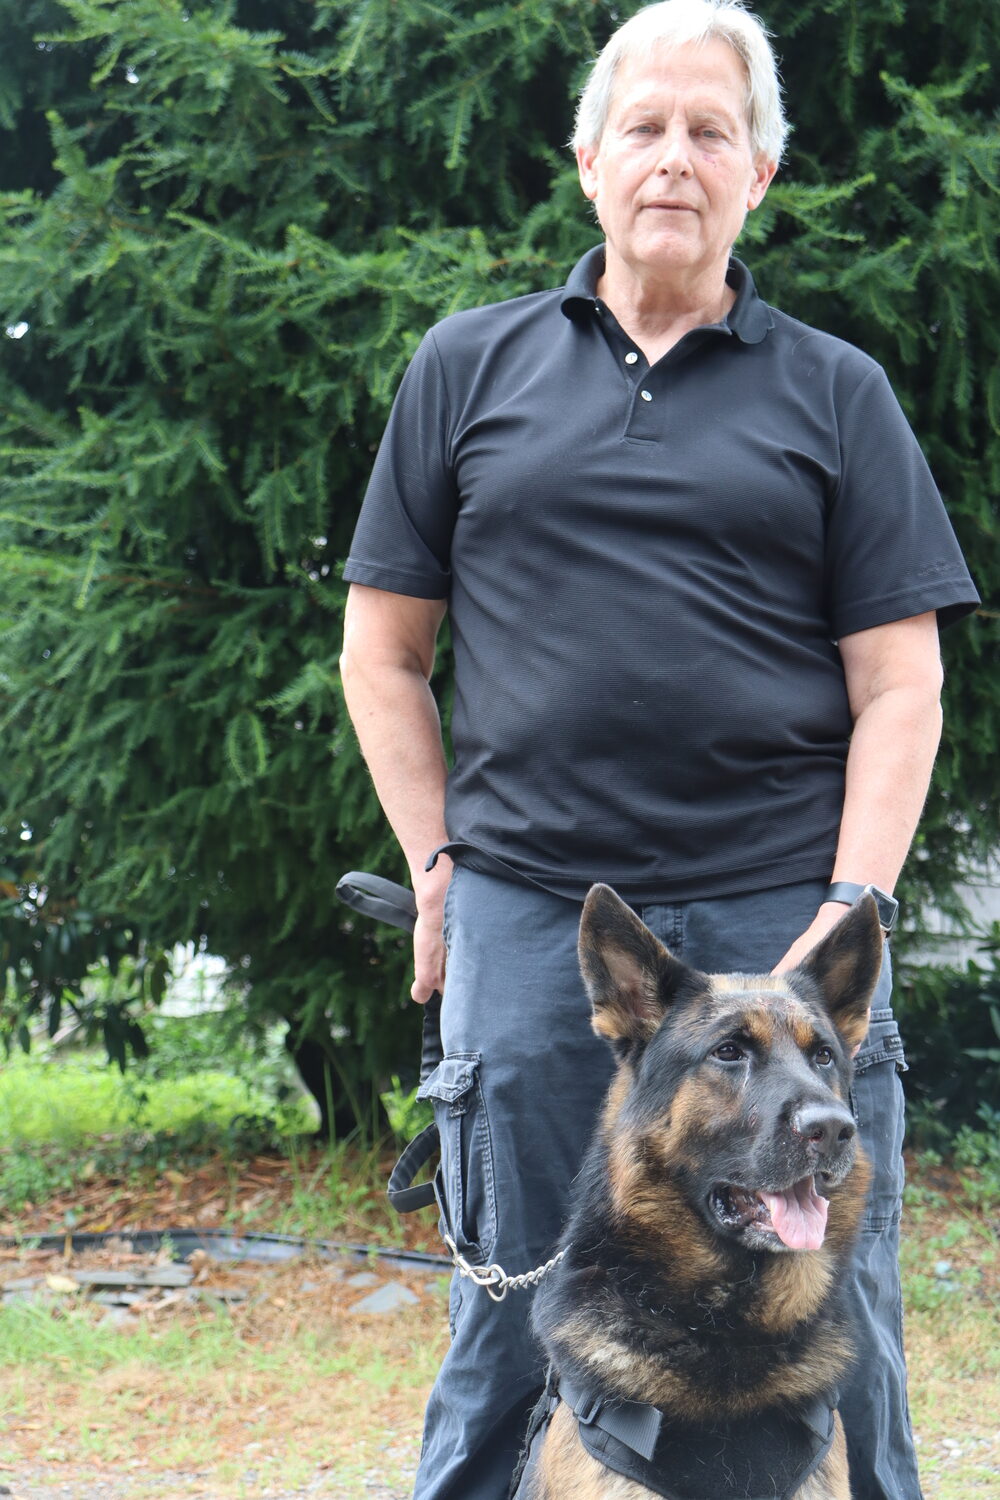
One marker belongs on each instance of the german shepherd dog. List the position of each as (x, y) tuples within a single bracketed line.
[(697, 1301)]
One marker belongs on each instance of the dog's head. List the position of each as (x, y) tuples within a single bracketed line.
[(733, 1086)]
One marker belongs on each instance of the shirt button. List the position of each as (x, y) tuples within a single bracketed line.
[(646, 396), (630, 359)]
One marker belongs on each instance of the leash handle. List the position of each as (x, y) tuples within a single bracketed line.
[(374, 896), (387, 901), (431, 1049), (401, 1193)]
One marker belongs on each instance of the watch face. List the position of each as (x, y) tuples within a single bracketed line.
[(888, 906)]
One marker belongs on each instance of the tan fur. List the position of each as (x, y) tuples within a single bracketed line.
[(616, 1364), (566, 1470), (794, 1289), (617, 1094), (854, 1032), (650, 1208)]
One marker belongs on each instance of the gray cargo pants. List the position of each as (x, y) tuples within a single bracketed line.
[(516, 1099)]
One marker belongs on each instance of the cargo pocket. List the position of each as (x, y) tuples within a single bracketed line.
[(464, 1184), (877, 1103)]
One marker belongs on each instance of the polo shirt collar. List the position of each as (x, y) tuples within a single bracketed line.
[(749, 318)]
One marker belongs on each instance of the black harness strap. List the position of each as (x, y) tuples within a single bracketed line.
[(768, 1456), (631, 1423)]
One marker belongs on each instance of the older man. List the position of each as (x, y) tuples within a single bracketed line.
[(694, 564)]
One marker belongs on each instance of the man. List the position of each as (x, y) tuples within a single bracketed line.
[(694, 565)]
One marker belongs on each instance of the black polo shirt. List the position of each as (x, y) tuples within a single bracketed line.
[(647, 571)]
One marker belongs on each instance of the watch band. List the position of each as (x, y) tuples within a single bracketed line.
[(847, 892)]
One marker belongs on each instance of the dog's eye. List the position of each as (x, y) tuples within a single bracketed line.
[(729, 1052), (823, 1056)]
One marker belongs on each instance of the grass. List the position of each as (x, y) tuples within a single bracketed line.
[(293, 1387), (81, 1097), (949, 1262)]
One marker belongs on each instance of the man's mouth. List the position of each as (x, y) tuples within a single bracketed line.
[(795, 1216)]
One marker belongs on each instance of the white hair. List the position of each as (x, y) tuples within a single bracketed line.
[(674, 23)]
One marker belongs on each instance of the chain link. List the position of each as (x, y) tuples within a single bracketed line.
[(494, 1279)]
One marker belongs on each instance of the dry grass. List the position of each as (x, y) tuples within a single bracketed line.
[(951, 1278), (955, 1397), (253, 1399)]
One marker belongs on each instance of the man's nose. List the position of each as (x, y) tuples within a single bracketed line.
[(675, 154)]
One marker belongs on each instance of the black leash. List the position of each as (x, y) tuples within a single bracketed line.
[(387, 901)]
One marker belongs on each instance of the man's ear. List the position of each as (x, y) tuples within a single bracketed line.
[(630, 977), (844, 966), (763, 175), (586, 165)]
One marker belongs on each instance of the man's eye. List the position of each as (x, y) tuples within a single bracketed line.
[(729, 1052)]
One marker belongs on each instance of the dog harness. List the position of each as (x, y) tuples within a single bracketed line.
[(767, 1456)]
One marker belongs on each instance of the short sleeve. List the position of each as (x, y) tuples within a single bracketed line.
[(402, 542), (891, 550)]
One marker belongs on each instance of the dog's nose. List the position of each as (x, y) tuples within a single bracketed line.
[(824, 1125)]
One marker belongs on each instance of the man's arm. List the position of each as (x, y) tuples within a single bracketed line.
[(894, 681), (388, 657)]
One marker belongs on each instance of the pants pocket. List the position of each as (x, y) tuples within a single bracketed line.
[(878, 1106), (464, 1184)]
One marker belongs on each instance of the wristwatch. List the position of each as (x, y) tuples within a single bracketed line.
[(847, 892)]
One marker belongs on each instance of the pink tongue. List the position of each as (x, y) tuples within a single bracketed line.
[(798, 1215)]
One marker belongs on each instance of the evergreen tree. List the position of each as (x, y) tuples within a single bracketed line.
[(226, 226)]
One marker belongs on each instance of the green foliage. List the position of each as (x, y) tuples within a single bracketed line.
[(977, 1152), (407, 1115), (57, 958), (226, 226), (28, 1177), (73, 1102), (951, 1018)]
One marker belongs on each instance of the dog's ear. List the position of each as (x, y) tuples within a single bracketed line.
[(845, 966), (630, 977)]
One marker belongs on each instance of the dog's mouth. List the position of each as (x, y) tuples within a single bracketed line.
[(794, 1217)]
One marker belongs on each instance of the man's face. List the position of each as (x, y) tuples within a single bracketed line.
[(673, 175)]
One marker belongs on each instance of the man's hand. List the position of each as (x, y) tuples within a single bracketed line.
[(429, 954), (828, 916)]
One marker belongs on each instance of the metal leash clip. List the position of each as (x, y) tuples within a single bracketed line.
[(493, 1278)]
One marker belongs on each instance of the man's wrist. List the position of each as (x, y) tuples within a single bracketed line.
[(846, 892), (429, 886)]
